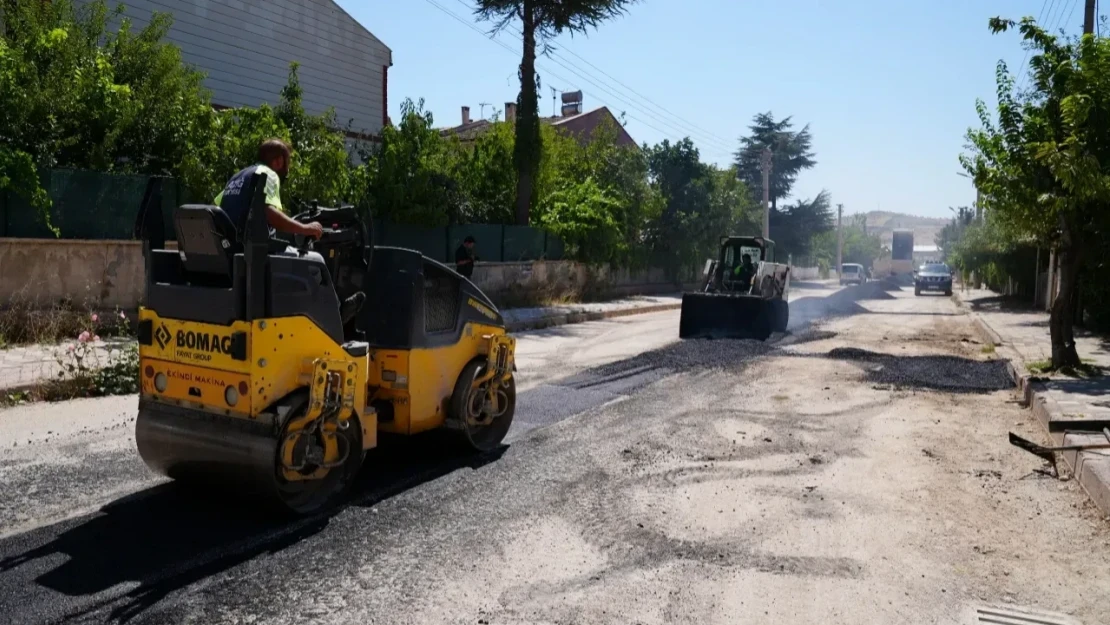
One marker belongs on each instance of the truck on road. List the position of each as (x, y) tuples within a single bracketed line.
[(901, 253)]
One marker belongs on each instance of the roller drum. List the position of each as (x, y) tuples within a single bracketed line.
[(196, 447)]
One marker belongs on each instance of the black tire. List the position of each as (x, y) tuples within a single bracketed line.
[(948, 292), (307, 497), (480, 437), (781, 311), (916, 291)]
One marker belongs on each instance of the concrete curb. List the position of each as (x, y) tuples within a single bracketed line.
[(1090, 469), (560, 319)]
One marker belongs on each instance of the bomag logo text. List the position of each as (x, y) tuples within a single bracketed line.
[(482, 309), (201, 345)]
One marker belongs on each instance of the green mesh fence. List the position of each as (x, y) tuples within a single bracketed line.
[(431, 242), (96, 206), (487, 240), (85, 205), (553, 247), (522, 243)]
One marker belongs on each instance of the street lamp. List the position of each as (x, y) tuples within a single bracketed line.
[(978, 196)]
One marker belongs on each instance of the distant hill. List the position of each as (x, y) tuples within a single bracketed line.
[(883, 223)]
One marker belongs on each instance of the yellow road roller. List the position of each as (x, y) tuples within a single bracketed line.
[(252, 379)]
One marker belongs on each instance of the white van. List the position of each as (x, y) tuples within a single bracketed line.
[(851, 273)]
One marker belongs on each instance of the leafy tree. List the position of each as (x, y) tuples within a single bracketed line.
[(582, 215), (407, 176), (75, 94), (226, 141), (541, 21), (949, 236), (791, 153), (700, 204), (485, 175), (1042, 166), (858, 246), (794, 226), (621, 171)]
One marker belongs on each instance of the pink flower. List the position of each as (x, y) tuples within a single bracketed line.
[(96, 337), (95, 318), (70, 348), (122, 315), (84, 336)]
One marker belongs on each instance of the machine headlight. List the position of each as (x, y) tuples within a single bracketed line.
[(231, 395), (160, 382)]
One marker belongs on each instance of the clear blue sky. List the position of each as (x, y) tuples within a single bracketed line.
[(888, 88)]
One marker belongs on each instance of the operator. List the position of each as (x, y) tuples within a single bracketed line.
[(745, 271), (274, 159), (465, 257)]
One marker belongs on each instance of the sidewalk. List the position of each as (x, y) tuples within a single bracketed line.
[(1073, 410), (27, 365), (520, 319)]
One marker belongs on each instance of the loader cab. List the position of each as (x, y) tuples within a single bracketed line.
[(732, 254), (733, 249)]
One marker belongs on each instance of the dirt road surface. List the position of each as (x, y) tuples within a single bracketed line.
[(855, 471)]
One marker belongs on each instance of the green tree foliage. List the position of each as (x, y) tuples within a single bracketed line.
[(791, 154), (75, 94), (794, 226), (407, 174), (700, 205), (1042, 165), (859, 246), (226, 141), (540, 21), (950, 235)]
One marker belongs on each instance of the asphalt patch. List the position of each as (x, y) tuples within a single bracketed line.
[(944, 373), (556, 401)]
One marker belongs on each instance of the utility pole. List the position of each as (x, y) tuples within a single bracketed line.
[(1089, 16), (839, 239), (765, 166)]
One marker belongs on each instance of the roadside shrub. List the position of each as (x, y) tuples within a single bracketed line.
[(90, 368), (24, 321)]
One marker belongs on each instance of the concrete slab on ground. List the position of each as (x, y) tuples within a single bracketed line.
[(1072, 410)]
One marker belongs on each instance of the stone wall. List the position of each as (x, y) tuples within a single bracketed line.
[(109, 274)]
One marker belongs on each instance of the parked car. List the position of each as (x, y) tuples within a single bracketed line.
[(851, 273), (933, 277)]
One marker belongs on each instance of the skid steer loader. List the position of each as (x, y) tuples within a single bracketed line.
[(735, 300), (251, 380)]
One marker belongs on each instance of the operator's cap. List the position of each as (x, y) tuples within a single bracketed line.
[(468, 239)]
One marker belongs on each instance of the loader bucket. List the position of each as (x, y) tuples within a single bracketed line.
[(720, 315)]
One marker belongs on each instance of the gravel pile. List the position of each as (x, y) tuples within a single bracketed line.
[(945, 373)]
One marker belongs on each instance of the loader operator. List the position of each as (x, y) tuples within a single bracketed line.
[(274, 158), (745, 271)]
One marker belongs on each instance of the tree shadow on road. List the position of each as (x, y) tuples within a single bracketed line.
[(169, 537)]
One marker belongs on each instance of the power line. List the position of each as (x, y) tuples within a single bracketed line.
[(514, 53), (1024, 59), (704, 136), (694, 127)]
